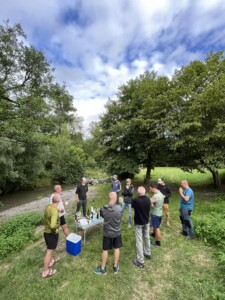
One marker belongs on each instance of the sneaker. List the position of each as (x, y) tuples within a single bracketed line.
[(147, 256), (156, 243), (190, 237), (168, 223), (100, 271), (184, 233), (129, 225), (116, 269), (138, 264)]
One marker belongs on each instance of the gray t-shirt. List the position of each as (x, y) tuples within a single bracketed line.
[(158, 200), (112, 218)]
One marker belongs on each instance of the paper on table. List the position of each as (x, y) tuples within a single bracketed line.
[(83, 222)]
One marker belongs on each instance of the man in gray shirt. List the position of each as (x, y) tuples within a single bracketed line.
[(111, 234)]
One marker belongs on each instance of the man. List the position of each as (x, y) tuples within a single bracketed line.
[(156, 213), (51, 230), (116, 187), (61, 209), (127, 194), (111, 234), (81, 196), (141, 206), (161, 186), (186, 207)]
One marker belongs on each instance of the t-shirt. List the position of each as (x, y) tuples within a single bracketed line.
[(164, 190), (116, 186), (128, 193), (82, 191), (189, 205), (51, 219), (157, 199), (59, 206), (141, 207), (112, 218)]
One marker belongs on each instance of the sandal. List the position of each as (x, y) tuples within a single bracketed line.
[(50, 272), (54, 262)]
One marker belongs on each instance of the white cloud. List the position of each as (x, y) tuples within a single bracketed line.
[(97, 45)]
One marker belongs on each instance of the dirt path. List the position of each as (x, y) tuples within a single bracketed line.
[(39, 205)]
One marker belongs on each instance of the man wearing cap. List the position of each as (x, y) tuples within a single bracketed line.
[(61, 209), (163, 188), (156, 212), (116, 186), (127, 194), (186, 207), (141, 206), (81, 196)]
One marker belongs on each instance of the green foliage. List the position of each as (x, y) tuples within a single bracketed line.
[(68, 160), (33, 109), (17, 231)]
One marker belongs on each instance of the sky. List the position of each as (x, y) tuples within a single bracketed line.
[(98, 45)]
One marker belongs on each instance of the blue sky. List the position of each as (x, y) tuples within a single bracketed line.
[(97, 45)]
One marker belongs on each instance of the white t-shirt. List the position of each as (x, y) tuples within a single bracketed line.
[(59, 206)]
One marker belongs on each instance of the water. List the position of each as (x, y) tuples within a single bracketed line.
[(22, 197)]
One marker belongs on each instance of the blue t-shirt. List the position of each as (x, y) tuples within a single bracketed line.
[(116, 186), (189, 205)]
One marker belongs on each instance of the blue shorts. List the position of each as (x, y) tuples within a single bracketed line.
[(155, 221)]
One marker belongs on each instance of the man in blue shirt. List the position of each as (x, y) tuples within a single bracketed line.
[(186, 207), (116, 187)]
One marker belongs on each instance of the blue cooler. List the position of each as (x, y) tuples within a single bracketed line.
[(73, 244)]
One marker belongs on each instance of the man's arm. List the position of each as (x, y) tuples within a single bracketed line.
[(186, 198)]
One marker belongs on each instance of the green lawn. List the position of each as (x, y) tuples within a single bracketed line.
[(180, 269)]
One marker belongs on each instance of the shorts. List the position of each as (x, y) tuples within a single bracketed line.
[(166, 201), (51, 240), (62, 220), (155, 221), (110, 243)]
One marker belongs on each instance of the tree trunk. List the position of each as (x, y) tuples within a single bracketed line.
[(216, 179), (148, 171)]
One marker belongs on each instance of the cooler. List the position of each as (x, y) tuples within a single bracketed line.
[(73, 244)]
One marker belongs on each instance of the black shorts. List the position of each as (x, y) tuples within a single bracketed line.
[(166, 201), (62, 220), (51, 240), (110, 243)]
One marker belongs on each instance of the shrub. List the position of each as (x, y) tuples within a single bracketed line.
[(18, 231)]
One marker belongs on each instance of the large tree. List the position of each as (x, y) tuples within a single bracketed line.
[(196, 121), (130, 128)]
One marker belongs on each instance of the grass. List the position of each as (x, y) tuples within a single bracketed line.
[(180, 269)]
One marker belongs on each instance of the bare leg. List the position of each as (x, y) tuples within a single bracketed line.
[(65, 229), (166, 210), (116, 256), (157, 234), (47, 260), (104, 258)]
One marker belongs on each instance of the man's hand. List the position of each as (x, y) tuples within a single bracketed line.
[(181, 191), (57, 230)]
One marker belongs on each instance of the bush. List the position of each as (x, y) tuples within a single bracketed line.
[(18, 231), (210, 227)]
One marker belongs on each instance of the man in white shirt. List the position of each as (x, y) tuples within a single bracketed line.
[(61, 209)]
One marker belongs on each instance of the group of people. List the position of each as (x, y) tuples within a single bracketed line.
[(147, 214)]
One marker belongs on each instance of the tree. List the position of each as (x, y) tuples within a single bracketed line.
[(130, 128), (196, 120)]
